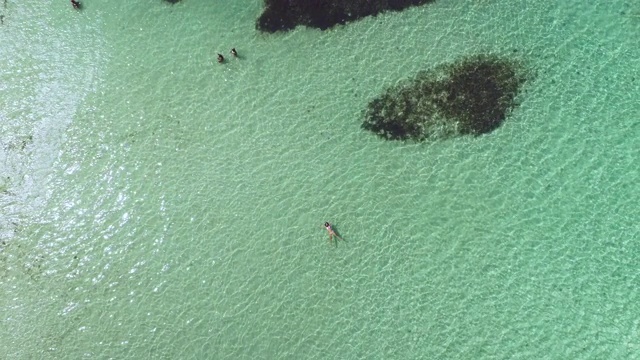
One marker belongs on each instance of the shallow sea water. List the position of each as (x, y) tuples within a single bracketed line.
[(156, 204)]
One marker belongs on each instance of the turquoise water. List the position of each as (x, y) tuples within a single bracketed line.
[(156, 204)]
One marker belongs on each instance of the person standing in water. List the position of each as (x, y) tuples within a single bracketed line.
[(332, 232)]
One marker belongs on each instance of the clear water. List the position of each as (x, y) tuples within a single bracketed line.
[(158, 205)]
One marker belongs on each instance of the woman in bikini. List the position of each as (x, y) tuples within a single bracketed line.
[(332, 233)]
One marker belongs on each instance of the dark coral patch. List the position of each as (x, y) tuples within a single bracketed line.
[(469, 97), (284, 15)]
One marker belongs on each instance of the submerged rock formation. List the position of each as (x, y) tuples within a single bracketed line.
[(284, 15), (470, 97)]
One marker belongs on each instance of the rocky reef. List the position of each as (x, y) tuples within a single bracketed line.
[(284, 15), (472, 96)]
